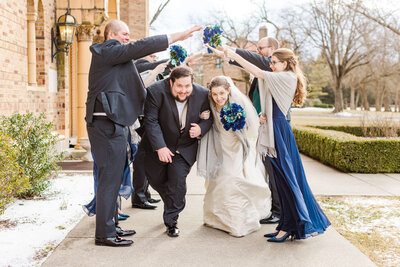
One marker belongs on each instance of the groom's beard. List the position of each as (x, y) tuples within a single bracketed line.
[(181, 100)]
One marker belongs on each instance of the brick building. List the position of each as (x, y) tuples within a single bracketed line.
[(30, 81)]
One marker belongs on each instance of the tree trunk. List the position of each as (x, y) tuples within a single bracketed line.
[(357, 98), (378, 96), (386, 101), (338, 100), (364, 98), (352, 98), (396, 101)]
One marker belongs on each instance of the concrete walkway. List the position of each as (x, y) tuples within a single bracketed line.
[(199, 245)]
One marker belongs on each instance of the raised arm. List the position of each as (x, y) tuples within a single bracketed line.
[(253, 69), (153, 73)]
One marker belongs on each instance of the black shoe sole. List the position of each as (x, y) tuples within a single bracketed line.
[(99, 243), (143, 207)]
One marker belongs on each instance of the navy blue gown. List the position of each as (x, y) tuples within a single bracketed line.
[(300, 213)]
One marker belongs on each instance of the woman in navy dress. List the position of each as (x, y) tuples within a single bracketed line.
[(301, 216)]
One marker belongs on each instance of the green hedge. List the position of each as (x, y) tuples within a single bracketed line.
[(347, 152), (355, 130)]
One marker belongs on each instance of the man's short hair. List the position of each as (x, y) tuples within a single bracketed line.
[(273, 42), (113, 26), (179, 72)]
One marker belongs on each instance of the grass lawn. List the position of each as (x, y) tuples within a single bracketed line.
[(372, 224), (325, 117)]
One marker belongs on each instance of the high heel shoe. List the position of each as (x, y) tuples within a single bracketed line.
[(271, 234), (282, 239), (124, 215)]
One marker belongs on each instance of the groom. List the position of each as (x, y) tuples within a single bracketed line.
[(173, 111)]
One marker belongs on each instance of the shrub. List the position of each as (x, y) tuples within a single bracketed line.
[(349, 153), (13, 180), (365, 131), (34, 144), (322, 105)]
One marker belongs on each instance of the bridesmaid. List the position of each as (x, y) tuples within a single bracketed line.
[(301, 216)]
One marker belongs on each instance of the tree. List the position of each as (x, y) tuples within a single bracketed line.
[(336, 30), (158, 11), (318, 77)]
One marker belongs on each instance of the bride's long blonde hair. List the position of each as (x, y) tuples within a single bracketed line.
[(287, 55)]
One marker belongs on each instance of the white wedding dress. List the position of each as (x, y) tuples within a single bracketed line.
[(238, 196)]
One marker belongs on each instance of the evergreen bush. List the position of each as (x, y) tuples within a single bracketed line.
[(34, 144), (13, 180)]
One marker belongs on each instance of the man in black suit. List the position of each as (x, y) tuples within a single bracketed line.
[(173, 115), (115, 99), (141, 197), (262, 59)]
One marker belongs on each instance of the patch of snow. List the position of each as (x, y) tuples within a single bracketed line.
[(41, 224)]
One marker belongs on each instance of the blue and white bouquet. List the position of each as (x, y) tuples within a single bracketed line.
[(212, 36), (178, 54), (233, 117)]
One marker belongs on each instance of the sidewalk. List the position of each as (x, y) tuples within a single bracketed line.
[(202, 246)]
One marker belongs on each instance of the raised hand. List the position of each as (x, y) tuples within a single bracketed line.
[(193, 60), (216, 52), (180, 36), (165, 155)]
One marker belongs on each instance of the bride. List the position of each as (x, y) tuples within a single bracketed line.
[(237, 195)]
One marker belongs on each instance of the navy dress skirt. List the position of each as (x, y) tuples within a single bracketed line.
[(300, 213)]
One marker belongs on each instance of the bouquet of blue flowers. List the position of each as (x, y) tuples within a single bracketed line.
[(233, 117), (178, 54), (212, 36)]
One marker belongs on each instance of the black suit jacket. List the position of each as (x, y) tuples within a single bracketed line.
[(162, 119), (114, 80), (260, 61)]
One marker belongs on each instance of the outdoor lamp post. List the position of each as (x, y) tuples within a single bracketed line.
[(64, 36)]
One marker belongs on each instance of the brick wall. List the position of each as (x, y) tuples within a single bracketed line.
[(15, 94), (136, 14)]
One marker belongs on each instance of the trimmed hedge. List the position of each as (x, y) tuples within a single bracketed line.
[(355, 130), (347, 152)]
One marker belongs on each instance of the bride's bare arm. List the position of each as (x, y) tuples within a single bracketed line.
[(253, 69)]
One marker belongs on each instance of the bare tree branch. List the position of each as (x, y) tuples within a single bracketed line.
[(158, 12)]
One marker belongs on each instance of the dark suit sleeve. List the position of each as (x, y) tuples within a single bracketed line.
[(205, 124), (260, 61), (151, 124), (116, 53), (145, 65)]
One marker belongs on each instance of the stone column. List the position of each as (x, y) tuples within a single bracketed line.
[(85, 37), (31, 17)]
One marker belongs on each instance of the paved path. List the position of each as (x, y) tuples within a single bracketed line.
[(202, 246)]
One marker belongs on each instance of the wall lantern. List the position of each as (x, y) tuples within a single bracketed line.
[(64, 35)]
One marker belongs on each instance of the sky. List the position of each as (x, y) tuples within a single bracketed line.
[(180, 15)]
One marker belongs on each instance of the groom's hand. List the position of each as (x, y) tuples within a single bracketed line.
[(180, 36), (195, 130), (165, 155)]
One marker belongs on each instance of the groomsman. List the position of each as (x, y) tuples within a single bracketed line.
[(262, 59), (141, 197), (115, 99), (172, 117)]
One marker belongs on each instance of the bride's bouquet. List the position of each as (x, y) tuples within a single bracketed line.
[(212, 36), (233, 117), (178, 54)]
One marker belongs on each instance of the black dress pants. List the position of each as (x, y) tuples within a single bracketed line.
[(275, 208), (140, 183), (108, 142), (169, 180)]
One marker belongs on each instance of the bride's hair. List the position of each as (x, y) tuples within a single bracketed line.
[(287, 55), (219, 81), (216, 82)]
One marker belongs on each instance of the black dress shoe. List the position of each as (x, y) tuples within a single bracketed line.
[(173, 231), (154, 200), (270, 220), (112, 242), (121, 232), (146, 205)]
